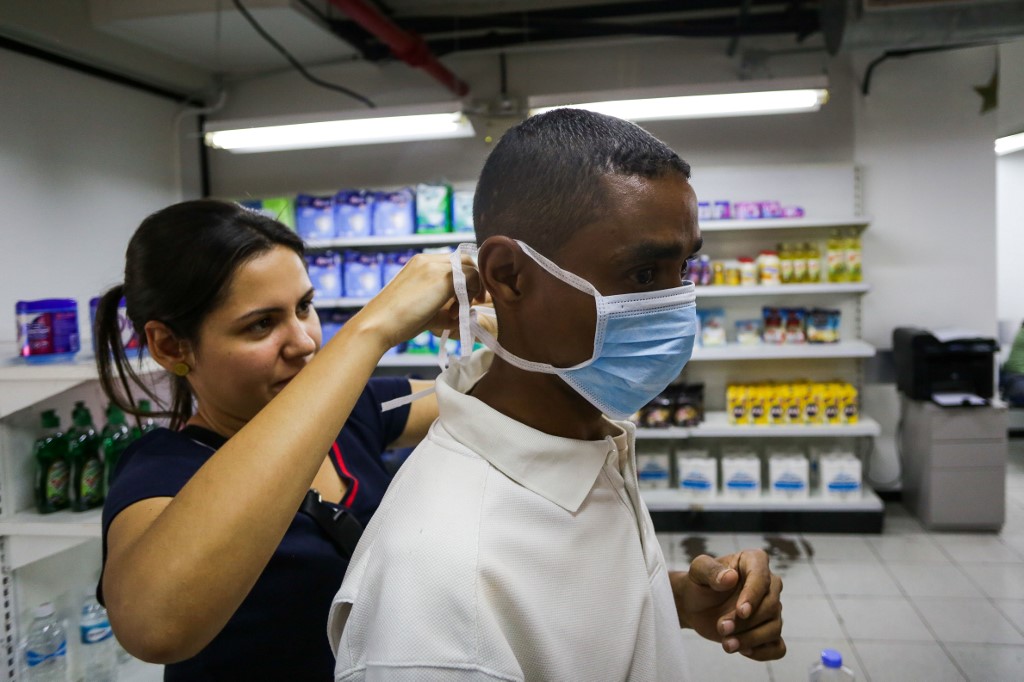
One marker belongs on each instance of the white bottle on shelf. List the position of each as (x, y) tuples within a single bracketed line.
[(830, 668), (99, 648), (46, 647)]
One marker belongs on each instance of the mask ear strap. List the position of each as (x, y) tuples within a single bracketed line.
[(462, 297), (569, 278)]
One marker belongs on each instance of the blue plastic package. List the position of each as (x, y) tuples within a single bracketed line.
[(462, 210), (331, 322), (47, 330), (129, 339), (314, 217), (393, 262), (353, 213), (394, 213), (362, 274), (325, 274)]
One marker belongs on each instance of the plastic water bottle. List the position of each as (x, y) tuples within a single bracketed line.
[(99, 648), (830, 668), (46, 648)]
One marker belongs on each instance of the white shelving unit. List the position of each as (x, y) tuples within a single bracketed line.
[(411, 240), (814, 289), (805, 351), (716, 425), (46, 556), (765, 224), (675, 500)]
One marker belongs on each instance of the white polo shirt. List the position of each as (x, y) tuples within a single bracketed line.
[(503, 553)]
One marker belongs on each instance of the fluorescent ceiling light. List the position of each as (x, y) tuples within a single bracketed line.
[(1010, 143), (345, 132), (708, 106)]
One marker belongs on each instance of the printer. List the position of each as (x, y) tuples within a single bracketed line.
[(930, 363)]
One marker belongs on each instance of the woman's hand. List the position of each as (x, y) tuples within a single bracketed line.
[(421, 296)]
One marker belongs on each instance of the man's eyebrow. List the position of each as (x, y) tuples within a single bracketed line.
[(652, 251)]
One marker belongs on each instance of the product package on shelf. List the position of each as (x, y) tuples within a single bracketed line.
[(394, 213), (129, 339), (788, 475), (325, 274), (677, 405), (712, 327), (462, 210), (393, 261), (353, 213), (839, 476), (47, 330), (362, 274), (654, 466), (741, 475), (314, 217), (697, 473), (433, 208), (832, 403)]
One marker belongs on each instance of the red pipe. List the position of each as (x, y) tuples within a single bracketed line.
[(408, 47)]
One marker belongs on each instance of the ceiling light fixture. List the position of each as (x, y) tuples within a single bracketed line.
[(757, 98), (400, 127), (1009, 144)]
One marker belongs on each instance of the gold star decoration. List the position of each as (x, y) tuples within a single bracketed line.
[(989, 93)]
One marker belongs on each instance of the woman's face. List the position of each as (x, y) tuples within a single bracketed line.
[(251, 346)]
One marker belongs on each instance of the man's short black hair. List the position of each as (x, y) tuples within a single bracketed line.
[(542, 182)]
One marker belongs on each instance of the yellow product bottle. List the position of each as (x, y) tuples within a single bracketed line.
[(835, 255), (851, 411), (853, 257), (785, 264), (812, 404), (832, 404), (759, 406), (795, 404), (799, 254), (813, 256), (777, 402), (735, 404)]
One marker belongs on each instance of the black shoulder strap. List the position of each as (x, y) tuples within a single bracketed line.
[(338, 524)]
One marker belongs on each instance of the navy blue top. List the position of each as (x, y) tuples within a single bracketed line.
[(280, 630)]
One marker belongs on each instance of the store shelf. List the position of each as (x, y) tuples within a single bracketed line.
[(816, 288), (25, 384), (674, 511), (31, 537), (411, 240), (675, 500), (344, 302), (716, 425), (409, 360), (859, 222), (766, 351)]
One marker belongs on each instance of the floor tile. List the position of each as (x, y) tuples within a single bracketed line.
[(809, 618), (977, 549), (1012, 609), (839, 548), (999, 581), (881, 618), (929, 580), (989, 663), (967, 621), (908, 549), (848, 578), (902, 525), (690, 546), (708, 661), (891, 662), (799, 579)]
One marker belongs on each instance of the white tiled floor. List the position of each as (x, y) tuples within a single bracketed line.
[(905, 605)]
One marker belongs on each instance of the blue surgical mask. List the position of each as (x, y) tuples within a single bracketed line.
[(641, 341)]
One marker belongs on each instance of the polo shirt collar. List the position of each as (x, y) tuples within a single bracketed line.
[(562, 470)]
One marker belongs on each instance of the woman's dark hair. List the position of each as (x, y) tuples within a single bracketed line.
[(543, 180), (178, 267)]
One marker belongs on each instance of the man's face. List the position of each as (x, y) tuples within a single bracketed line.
[(640, 244)]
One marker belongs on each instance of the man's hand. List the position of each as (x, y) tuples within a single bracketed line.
[(733, 600)]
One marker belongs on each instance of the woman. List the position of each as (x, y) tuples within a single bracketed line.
[(208, 567)]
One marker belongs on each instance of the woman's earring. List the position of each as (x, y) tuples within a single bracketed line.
[(181, 369)]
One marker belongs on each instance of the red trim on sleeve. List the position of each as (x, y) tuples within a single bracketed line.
[(351, 494)]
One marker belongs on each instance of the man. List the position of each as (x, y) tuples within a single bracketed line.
[(514, 545)]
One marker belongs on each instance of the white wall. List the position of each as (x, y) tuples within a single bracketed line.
[(1009, 187), (929, 185), (82, 161)]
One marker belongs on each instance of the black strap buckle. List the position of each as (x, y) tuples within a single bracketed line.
[(339, 525)]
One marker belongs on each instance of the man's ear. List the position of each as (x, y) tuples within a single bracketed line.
[(166, 348), (500, 262)]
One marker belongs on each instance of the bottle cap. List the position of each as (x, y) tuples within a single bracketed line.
[(44, 610), (81, 416), (831, 658), (114, 414), (50, 419), (144, 406)]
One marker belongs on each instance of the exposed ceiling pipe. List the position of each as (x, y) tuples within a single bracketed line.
[(408, 47)]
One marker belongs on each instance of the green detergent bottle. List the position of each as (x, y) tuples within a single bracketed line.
[(52, 475), (116, 437), (145, 422), (84, 458)]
